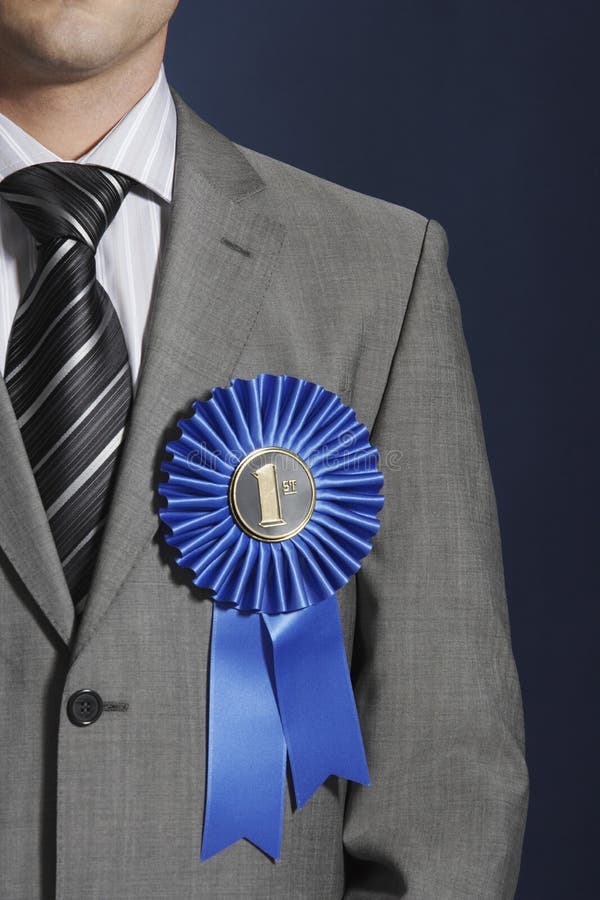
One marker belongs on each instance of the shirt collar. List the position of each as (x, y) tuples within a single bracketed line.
[(141, 144)]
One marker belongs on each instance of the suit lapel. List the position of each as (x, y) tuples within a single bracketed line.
[(207, 299), (25, 536)]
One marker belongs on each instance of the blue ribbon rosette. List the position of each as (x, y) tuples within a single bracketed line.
[(272, 498)]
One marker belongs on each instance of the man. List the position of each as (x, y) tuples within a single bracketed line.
[(162, 263)]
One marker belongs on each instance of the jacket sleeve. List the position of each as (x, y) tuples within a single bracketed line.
[(435, 680)]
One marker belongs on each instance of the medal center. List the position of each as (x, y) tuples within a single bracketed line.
[(272, 494)]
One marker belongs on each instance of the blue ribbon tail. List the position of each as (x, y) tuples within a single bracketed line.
[(246, 747), (315, 697)]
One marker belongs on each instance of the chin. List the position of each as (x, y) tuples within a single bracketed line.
[(73, 61), (71, 40)]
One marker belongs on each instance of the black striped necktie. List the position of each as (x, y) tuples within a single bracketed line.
[(67, 369)]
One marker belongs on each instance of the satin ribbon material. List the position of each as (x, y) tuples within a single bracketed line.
[(246, 749), (271, 577), (300, 660), (316, 702), (279, 681)]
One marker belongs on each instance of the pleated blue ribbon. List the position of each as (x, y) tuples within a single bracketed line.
[(280, 687)]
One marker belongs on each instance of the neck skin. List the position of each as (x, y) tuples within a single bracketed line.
[(70, 117)]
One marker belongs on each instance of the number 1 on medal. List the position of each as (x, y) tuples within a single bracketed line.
[(268, 495)]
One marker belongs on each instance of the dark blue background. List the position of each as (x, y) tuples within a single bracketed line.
[(481, 115)]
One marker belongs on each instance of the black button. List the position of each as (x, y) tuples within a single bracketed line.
[(84, 707)]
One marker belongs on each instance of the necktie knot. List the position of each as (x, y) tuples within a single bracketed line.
[(61, 200)]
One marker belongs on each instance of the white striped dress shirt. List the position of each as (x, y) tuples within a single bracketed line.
[(141, 145)]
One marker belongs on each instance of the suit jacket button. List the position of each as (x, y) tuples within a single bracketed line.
[(84, 707)]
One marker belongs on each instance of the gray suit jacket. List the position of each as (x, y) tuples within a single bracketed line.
[(269, 269)]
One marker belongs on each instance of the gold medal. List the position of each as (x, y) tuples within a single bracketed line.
[(272, 494)]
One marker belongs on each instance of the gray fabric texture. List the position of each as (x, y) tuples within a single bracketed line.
[(353, 293)]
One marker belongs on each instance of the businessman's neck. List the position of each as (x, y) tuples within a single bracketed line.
[(70, 115)]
